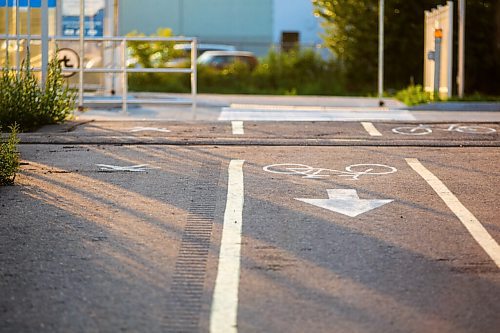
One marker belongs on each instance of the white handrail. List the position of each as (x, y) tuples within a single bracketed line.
[(192, 70)]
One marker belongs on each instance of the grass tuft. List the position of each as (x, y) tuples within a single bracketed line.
[(414, 95), (25, 103), (9, 157)]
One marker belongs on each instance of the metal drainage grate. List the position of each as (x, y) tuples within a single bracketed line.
[(185, 301)]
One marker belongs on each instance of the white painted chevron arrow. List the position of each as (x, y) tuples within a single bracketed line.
[(149, 129), (346, 202)]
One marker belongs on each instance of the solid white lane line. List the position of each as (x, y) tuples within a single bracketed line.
[(237, 127), (471, 223), (224, 312), (370, 128)]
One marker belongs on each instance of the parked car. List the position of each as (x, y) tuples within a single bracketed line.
[(185, 51), (222, 59), (202, 48)]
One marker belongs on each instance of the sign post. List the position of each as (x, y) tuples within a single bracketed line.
[(381, 52), (438, 48), (438, 36), (461, 48), (81, 55)]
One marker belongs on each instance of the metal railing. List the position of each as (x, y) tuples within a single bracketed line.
[(122, 69)]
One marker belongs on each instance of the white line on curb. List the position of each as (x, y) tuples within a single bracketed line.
[(370, 128), (223, 316), (237, 127), (471, 223)]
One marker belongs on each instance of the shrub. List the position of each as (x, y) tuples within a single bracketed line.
[(24, 102), (294, 73), (9, 157), (413, 95)]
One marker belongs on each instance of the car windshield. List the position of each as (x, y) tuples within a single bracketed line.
[(204, 58)]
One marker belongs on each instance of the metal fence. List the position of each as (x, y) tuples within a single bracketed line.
[(120, 69)]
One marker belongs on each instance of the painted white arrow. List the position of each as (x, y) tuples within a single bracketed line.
[(346, 202), (149, 129), (132, 168)]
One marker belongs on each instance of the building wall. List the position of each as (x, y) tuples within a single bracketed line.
[(148, 15), (296, 15), (252, 25), (210, 20)]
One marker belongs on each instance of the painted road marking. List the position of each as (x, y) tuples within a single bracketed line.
[(354, 171), (471, 223), (346, 202), (149, 129), (473, 129), (370, 128), (237, 127), (304, 107), (413, 130), (423, 129), (132, 168), (223, 316), (303, 114)]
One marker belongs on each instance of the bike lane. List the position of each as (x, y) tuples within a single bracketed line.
[(145, 224), (402, 262)]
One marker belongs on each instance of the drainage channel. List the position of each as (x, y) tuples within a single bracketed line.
[(185, 298)]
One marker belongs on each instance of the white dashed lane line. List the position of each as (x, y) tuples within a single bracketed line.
[(370, 128), (237, 126)]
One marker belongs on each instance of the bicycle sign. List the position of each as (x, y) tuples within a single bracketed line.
[(353, 171), (427, 129)]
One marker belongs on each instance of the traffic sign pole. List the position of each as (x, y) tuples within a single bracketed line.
[(381, 53), (461, 48)]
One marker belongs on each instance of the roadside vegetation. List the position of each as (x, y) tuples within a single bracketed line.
[(414, 95), (9, 156), (297, 72), (25, 103), (25, 106)]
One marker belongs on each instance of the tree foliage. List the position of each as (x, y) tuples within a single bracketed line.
[(351, 32), (152, 54)]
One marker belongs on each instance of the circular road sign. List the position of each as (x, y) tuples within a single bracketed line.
[(68, 59)]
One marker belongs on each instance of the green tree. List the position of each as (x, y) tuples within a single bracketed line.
[(153, 54), (482, 49), (351, 32)]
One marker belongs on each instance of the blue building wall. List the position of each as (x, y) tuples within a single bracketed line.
[(247, 22)]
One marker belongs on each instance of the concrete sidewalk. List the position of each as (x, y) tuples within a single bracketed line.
[(214, 107), (458, 107)]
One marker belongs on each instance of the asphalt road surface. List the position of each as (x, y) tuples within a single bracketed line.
[(253, 227)]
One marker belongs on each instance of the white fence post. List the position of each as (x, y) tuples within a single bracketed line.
[(81, 54), (45, 40)]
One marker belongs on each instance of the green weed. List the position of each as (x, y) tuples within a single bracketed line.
[(24, 102), (413, 95), (9, 157)]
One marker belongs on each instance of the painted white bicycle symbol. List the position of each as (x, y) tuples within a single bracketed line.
[(427, 129), (354, 171)]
